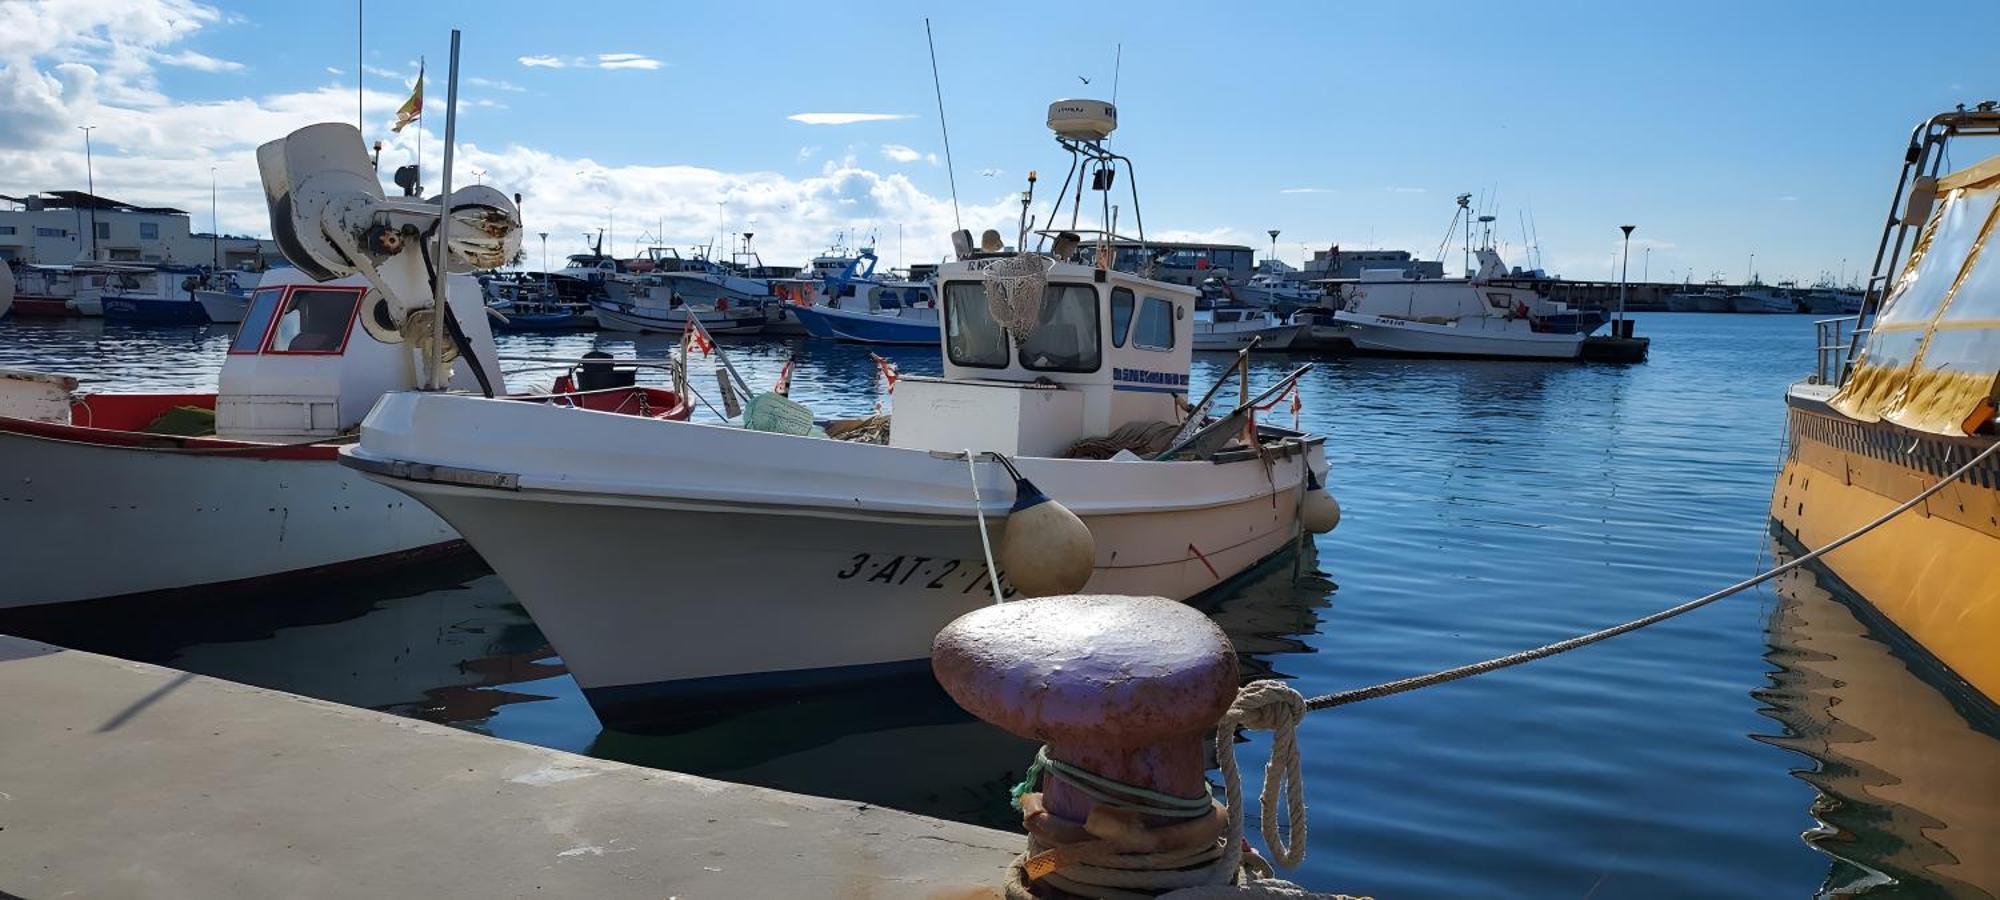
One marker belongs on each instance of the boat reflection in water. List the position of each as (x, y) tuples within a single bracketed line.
[(449, 644), (1909, 795)]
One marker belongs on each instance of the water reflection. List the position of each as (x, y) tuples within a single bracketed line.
[(1908, 796)]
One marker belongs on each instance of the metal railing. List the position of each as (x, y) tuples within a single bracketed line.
[(1837, 339)]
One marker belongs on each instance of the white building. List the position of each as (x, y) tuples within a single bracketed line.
[(55, 227)]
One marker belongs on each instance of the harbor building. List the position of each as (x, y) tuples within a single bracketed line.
[(54, 227), (1338, 263)]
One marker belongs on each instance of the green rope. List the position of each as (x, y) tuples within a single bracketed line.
[(1112, 792)]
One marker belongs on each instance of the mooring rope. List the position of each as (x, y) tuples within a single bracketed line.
[(979, 510), (1342, 698), (1115, 855)]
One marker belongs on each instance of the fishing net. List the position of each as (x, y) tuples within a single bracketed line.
[(1014, 288)]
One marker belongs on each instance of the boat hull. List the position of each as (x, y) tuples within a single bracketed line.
[(867, 328), (153, 310), (157, 519), (1514, 339), (223, 307), (1275, 339), (1929, 571), (44, 307), (815, 563), (615, 316)]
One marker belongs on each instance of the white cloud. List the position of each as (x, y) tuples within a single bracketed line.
[(601, 61), (493, 83), (627, 61), (333, 71), (845, 118), (392, 74), (1308, 190), (902, 154), (1405, 190), (200, 62)]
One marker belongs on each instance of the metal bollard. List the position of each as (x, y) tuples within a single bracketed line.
[(1126, 687)]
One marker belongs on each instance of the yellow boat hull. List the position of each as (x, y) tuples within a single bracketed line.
[(1933, 571)]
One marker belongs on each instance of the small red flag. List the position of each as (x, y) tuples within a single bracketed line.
[(889, 373), (784, 387), (699, 336)]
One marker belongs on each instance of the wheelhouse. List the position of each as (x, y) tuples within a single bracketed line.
[(1109, 349)]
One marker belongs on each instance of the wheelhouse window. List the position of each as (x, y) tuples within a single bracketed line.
[(314, 321), (256, 320), (1121, 315), (972, 337), (1156, 325), (1066, 339)]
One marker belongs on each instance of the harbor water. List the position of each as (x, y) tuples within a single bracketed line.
[(1774, 744)]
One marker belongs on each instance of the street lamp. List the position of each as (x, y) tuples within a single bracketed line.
[(478, 176), (214, 235), (1274, 246), (90, 174), (1646, 273), (1624, 268), (545, 258)]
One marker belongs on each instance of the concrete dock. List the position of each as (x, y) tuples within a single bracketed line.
[(121, 779)]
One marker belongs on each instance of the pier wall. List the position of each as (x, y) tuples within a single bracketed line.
[(121, 779)]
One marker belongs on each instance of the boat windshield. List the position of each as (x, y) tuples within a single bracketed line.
[(972, 337), (1066, 340)]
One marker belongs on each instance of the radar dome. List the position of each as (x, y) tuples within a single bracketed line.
[(1083, 120)]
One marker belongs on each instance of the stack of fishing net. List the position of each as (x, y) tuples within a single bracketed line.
[(1146, 439), (870, 430)]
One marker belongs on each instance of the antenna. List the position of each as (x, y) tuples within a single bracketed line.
[(949, 170), (1117, 62)]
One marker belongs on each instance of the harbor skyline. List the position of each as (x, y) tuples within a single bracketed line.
[(1346, 127)]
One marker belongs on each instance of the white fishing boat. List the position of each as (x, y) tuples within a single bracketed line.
[(222, 297), (1766, 299), (1275, 290), (1388, 312), (1234, 327), (147, 496), (1713, 297), (705, 562)]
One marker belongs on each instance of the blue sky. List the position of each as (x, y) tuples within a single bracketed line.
[(1721, 129)]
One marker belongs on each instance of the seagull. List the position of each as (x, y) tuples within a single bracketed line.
[(1083, 79)]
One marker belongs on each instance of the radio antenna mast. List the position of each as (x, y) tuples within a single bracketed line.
[(1117, 62), (949, 170)]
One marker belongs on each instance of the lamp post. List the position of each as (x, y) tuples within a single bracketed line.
[(214, 235), (1624, 268), (478, 176), (1646, 273), (1274, 246), (90, 174), (545, 263)]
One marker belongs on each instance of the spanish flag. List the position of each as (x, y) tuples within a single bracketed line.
[(413, 108)]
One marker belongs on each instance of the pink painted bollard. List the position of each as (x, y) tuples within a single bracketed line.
[(1126, 687)]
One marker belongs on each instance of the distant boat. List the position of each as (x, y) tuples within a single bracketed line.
[(1233, 327), (1269, 289), (855, 305), (164, 296), (1712, 298), (222, 298), (1391, 313), (1766, 299)]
